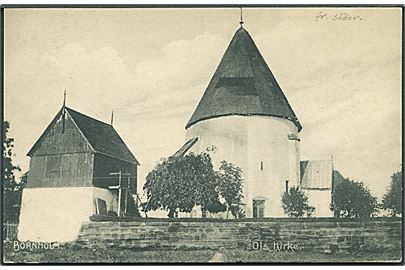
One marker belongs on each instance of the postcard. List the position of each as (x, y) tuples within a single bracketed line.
[(202, 134)]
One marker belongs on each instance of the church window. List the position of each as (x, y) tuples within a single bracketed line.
[(286, 186), (261, 165)]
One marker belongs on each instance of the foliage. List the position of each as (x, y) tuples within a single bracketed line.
[(353, 200), (102, 218), (181, 183), (237, 211), (230, 187), (392, 200), (113, 216), (8, 167), (12, 189), (295, 203)]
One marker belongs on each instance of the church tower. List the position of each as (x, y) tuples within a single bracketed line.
[(246, 116)]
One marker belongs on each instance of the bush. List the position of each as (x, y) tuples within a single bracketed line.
[(392, 200), (102, 218), (112, 213), (295, 203), (353, 200)]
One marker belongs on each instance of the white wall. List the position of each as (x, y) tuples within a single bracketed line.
[(247, 141), (320, 199), (54, 214)]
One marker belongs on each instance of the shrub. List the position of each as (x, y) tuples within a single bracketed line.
[(295, 203), (353, 200)]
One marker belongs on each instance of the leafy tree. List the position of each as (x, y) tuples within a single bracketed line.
[(181, 183), (23, 181), (8, 167), (231, 187), (392, 200), (11, 188), (295, 203), (12, 200), (206, 183), (353, 200)]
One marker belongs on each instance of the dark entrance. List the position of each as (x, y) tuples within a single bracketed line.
[(258, 208)]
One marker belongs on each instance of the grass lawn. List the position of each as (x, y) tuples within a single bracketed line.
[(76, 255)]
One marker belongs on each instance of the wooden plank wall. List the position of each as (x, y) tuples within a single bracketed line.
[(57, 142), (61, 159), (104, 165), (75, 170)]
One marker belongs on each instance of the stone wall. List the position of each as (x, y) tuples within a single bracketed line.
[(324, 235)]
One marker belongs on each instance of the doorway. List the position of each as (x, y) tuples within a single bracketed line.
[(258, 208)]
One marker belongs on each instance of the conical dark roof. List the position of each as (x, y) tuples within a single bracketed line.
[(243, 85)]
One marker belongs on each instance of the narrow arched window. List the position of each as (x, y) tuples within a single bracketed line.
[(261, 165)]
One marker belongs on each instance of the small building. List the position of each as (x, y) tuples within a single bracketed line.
[(79, 166), (318, 181)]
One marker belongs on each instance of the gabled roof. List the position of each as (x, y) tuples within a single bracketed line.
[(319, 174), (101, 136), (316, 174), (243, 85)]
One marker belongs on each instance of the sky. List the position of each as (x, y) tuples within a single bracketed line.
[(151, 66)]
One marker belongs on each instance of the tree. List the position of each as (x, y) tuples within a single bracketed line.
[(295, 203), (392, 200), (8, 167), (230, 187), (181, 183), (12, 200), (353, 200), (11, 188)]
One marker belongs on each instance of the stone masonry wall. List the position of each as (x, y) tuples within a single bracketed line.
[(320, 235)]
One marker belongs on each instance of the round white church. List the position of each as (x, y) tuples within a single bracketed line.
[(245, 115)]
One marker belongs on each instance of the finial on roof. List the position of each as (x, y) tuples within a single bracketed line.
[(112, 117), (64, 98), (63, 111), (241, 17)]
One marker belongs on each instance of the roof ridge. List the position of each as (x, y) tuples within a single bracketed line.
[(85, 115), (107, 130)]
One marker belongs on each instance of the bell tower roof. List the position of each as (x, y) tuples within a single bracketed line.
[(243, 85)]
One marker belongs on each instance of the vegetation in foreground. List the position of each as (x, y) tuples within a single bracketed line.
[(295, 203), (181, 183), (76, 255)]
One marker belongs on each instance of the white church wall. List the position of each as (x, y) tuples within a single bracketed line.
[(320, 199), (268, 143), (54, 214), (250, 142), (227, 134)]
